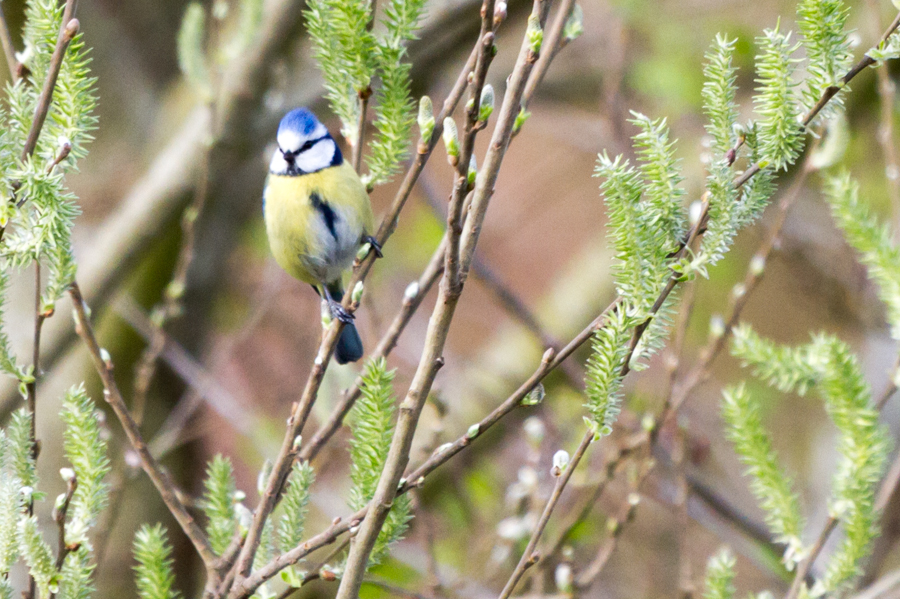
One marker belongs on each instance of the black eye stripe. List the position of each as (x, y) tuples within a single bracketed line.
[(289, 155)]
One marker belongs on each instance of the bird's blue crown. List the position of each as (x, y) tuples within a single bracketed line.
[(300, 120)]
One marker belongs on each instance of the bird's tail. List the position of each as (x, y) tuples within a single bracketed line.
[(349, 346)]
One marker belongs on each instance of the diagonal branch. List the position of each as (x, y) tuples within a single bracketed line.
[(113, 396), (529, 557)]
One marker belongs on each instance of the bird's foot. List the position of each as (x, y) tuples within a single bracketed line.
[(373, 243), (339, 312)]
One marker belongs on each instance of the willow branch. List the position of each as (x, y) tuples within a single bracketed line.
[(430, 276), (66, 35), (59, 515), (529, 557), (301, 410), (551, 360), (113, 396), (616, 527), (701, 370), (9, 48), (68, 31), (432, 356), (806, 565), (416, 293)]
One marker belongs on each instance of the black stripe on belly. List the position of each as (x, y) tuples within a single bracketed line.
[(326, 211)]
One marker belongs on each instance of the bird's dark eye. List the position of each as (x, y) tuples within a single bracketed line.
[(310, 143)]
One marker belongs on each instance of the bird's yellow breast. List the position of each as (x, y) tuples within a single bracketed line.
[(315, 222)]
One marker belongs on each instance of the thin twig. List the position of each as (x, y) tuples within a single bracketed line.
[(158, 476), (416, 293), (66, 35), (470, 131), (361, 127), (289, 448), (60, 516), (507, 297), (553, 40), (529, 557), (615, 527), (9, 49), (580, 515), (806, 565), (31, 388), (701, 370), (171, 305)]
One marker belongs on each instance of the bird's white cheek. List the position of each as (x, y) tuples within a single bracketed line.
[(317, 157)]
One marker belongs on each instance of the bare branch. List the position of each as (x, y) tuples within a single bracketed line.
[(529, 557), (160, 478)]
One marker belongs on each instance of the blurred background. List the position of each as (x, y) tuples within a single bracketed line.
[(238, 354)]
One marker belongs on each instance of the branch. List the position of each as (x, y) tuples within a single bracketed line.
[(171, 307), (551, 360), (529, 557), (160, 478), (590, 574), (60, 516), (806, 565), (67, 33), (9, 48), (432, 356), (700, 372), (411, 303)]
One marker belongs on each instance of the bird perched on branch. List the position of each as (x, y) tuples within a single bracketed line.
[(317, 215)]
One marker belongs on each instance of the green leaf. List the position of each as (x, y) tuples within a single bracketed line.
[(218, 503), (780, 134), (295, 506), (372, 421), (769, 484), (86, 451), (155, 578)]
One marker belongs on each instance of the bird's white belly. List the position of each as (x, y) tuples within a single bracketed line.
[(333, 253)]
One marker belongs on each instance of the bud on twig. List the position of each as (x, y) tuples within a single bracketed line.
[(357, 293), (574, 26), (425, 120), (451, 140), (500, 12), (520, 120), (486, 104), (560, 462), (534, 34)]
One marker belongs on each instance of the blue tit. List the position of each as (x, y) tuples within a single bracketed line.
[(317, 215)]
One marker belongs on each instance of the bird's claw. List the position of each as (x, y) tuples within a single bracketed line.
[(340, 313), (373, 243)]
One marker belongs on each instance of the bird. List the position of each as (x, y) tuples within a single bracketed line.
[(318, 215)]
